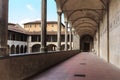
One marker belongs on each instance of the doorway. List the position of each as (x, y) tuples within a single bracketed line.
[(86, 43), (86, 47)]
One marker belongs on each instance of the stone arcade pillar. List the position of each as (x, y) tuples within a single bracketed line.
[(29, 47), (59, 32), (108, 55), (3, 27), (66, 35), (70, 38), (43, 26), (98, 40)]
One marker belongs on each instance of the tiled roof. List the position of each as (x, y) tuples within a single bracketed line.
[(39, 22), (16, 28), (19, 29)]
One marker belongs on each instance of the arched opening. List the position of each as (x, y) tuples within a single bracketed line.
[(17, 49), (86, 43), (21, 49), (12, 49), (63, 46), (51, 47), (25, 49), (36, 48), (68, 46)]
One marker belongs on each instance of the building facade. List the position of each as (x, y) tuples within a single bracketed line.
[(28, 39)]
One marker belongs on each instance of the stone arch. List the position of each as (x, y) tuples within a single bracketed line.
[(25, 49), (51, 47), (17, 49), (63, 46), (36, 48), (13, 49), (21, 49)]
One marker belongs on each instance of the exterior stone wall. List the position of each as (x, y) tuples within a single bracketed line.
[(21, 67), (36, 27)]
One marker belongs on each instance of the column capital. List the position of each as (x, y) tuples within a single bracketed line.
[(59, 13), (66, 22)]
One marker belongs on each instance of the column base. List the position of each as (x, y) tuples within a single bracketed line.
[(43, 50), (58, 49), (70, 48), (4, 51), (66, 49), (29, 50)]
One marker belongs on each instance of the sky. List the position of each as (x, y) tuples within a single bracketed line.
[(22, 11)]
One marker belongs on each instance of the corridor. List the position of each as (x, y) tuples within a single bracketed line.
[(84, 66)]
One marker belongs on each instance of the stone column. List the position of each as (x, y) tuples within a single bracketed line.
[(70, 38), (28, 42), (3, 27), (99, 40), (19, 49), (108, 54), (15, 50), (59, 32), (66, 35), (43, 26)]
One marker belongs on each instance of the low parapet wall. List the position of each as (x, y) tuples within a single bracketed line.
[(23, 66)]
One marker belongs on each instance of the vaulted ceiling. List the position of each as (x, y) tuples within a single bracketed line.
[(83, 15)]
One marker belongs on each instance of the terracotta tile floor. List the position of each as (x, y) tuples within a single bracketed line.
[(84, 66)]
